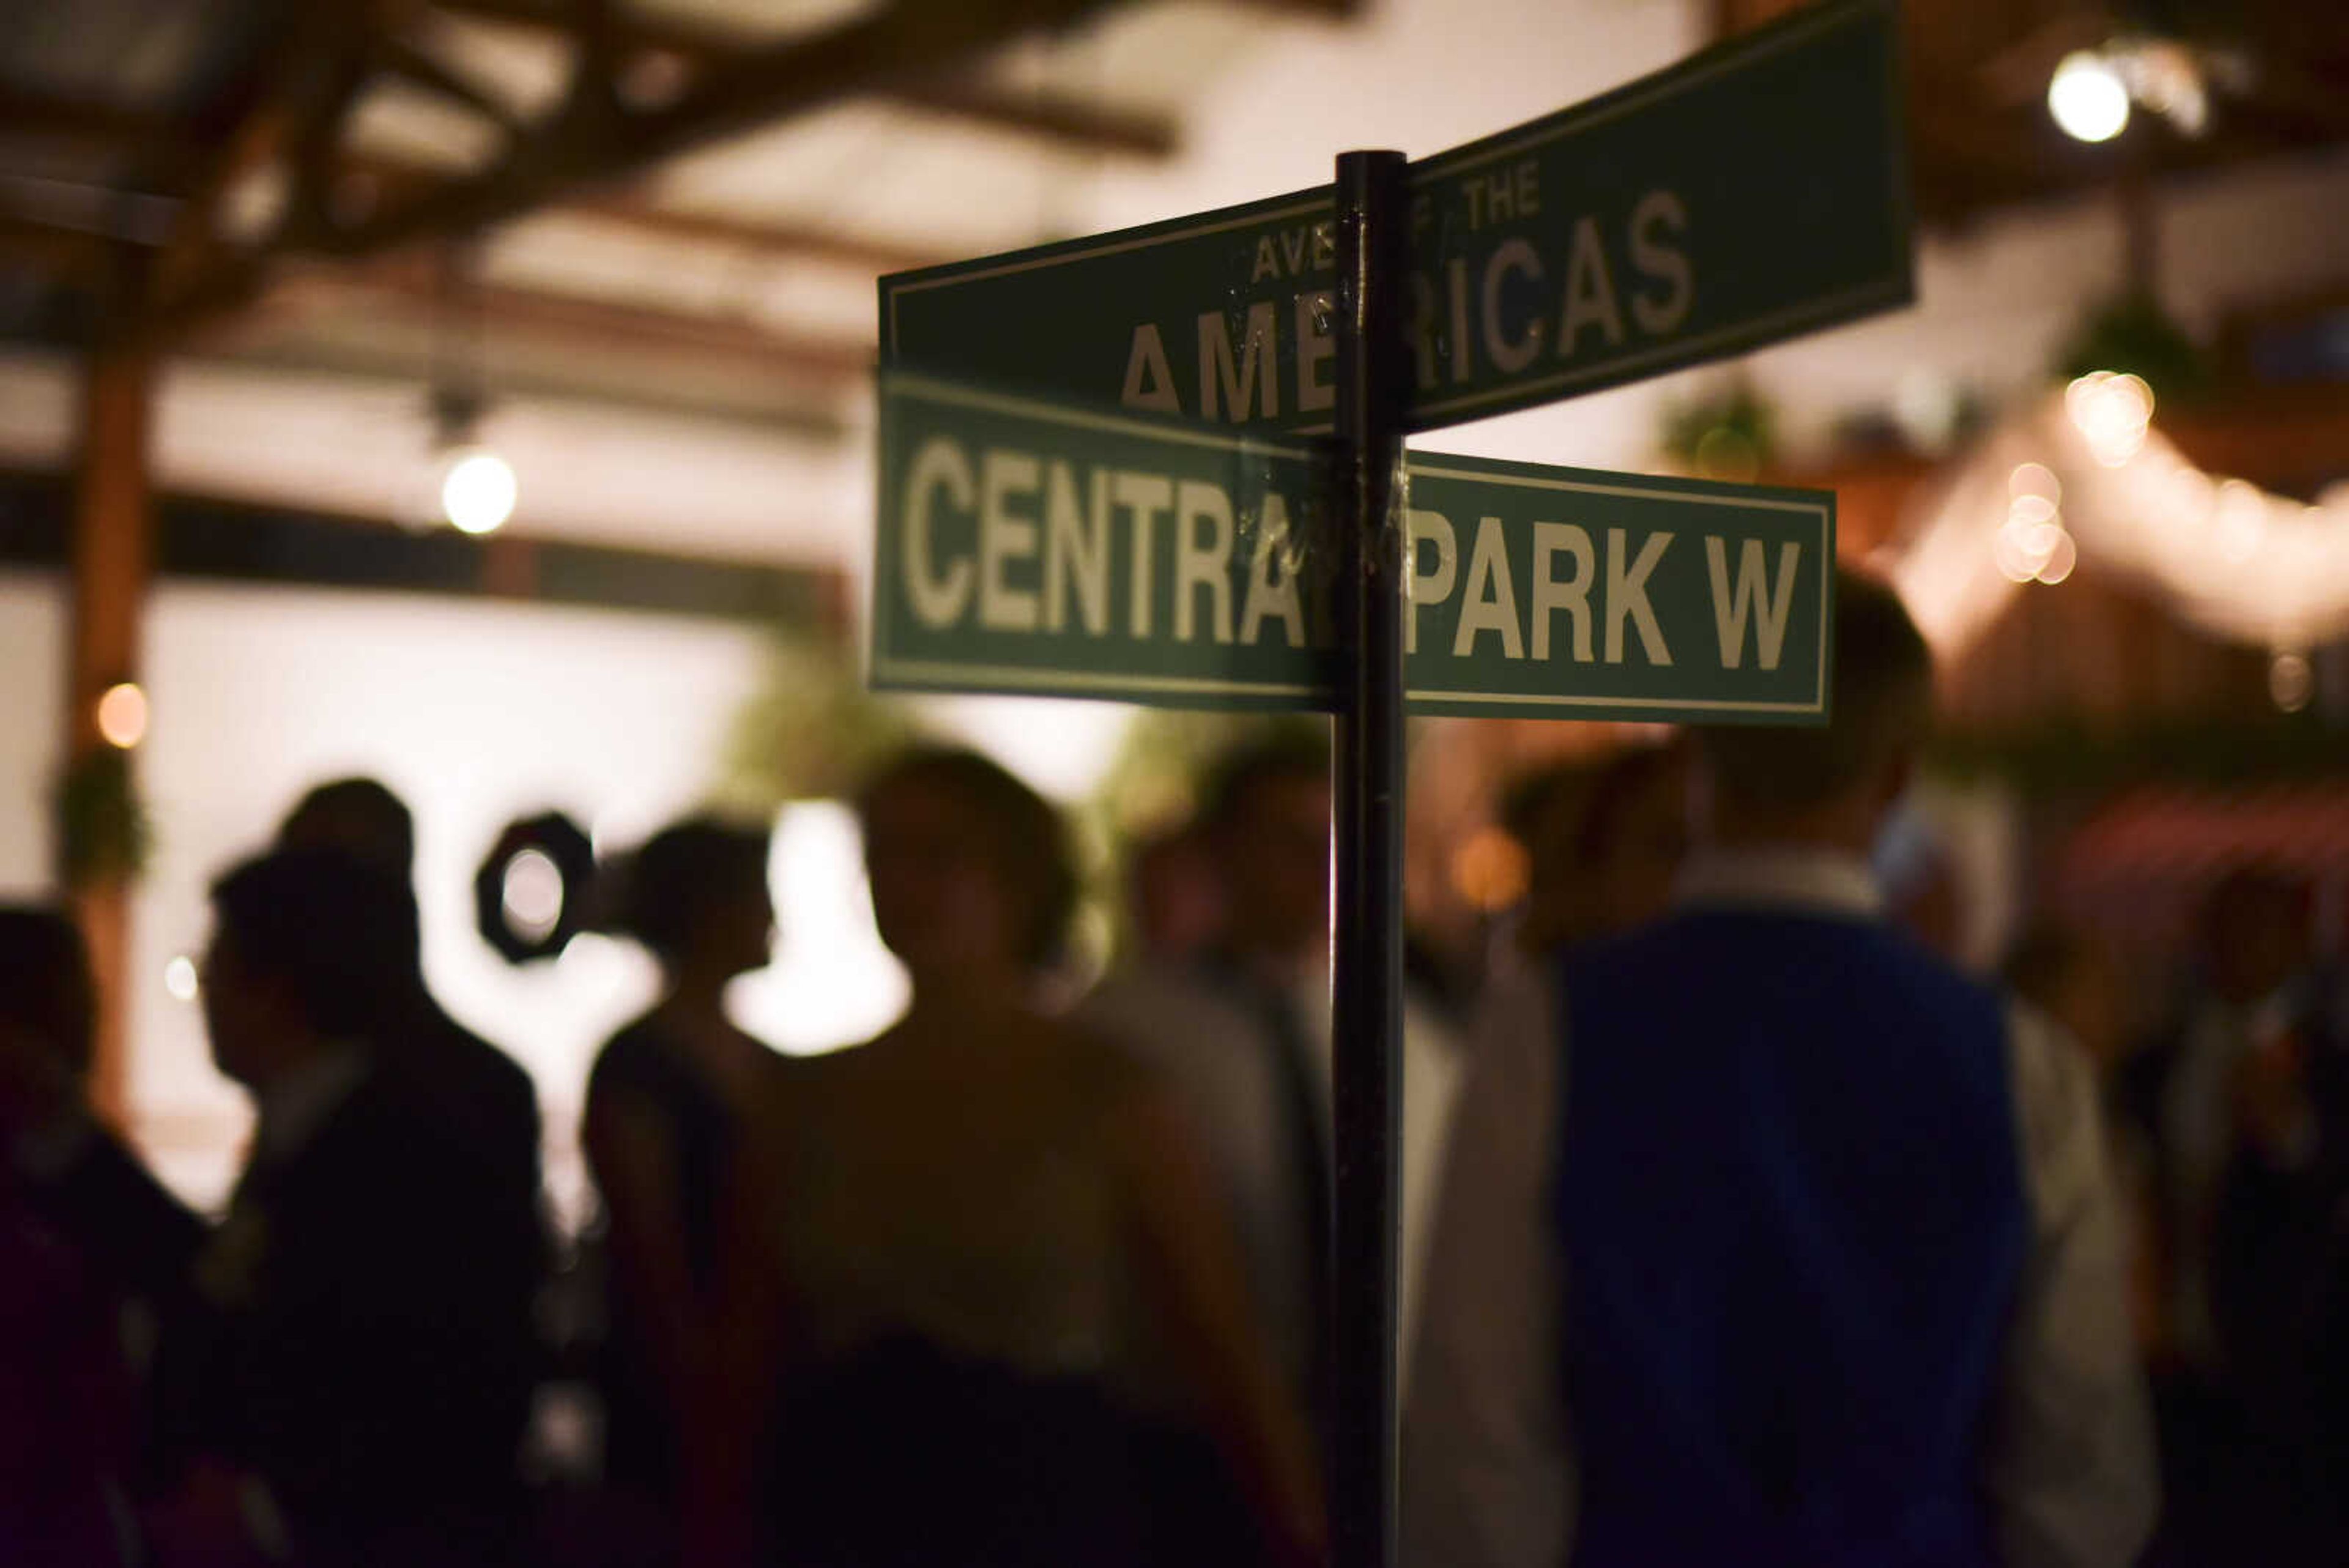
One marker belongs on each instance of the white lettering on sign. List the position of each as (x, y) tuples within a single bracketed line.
[(1272, 578), (1426, 587), (1250, 386), (1004, 537), (1149, 380), (1315, 348), (1500, 306), (1517, 257), (1492, 601), (1203, 565), (1627, 598), (1765, 602), (1658, 316), (1076, 550), (940, 464), (1572, 595), (1145, 497), (1589, 293)]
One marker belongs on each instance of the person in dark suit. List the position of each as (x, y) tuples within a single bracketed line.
[(349, 1382), (492, 1097)]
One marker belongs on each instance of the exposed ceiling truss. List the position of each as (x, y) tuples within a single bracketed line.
[(639, 91)]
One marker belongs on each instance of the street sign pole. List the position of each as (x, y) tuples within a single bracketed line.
[(1372, 392)]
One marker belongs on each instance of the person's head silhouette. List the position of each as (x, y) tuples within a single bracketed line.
[(696, 895), (971, 874), (309, 947), (1834, 785)]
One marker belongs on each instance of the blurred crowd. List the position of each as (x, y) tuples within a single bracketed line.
[(1870, 1261)]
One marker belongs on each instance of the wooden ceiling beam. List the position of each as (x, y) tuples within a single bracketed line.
[(396, 179), (25, 111), (419, 67), (503, 308), (1046, 116), (905, 42)]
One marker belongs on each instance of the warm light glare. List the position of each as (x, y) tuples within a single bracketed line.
[(122, 716), (2034, 479), (2111, 412), (478, 491), (532, 893), (2241, 521), (2061, 559), (180, 979), (2087, 97)]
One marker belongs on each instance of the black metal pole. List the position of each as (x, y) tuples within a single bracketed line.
[(1367, 972)]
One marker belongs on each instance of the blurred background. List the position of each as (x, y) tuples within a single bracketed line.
[(477, 394)]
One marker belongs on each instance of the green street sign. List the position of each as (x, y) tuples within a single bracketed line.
[(1054, 550), (1753, 192)]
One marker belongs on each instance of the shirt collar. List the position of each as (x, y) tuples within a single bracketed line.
[(1786, 876), (291, 1110)]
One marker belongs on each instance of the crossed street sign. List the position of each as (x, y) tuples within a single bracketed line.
[(1058, 550), (1753, 192), (1100, 477)]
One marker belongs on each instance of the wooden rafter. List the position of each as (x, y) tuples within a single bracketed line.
[(25, 111), (905, 42), (405, 287), (394, 180), (1047, 116)]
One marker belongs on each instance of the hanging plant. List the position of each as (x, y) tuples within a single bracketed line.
[(2134, 335), (811, 730), (1732, 435), (103, 832)]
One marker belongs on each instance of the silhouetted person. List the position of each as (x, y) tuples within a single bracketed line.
[(2073, 979), (2244, 1101), (65, 1443), (358, 1377), (1767, 1238), (1242, 1035), (1174, 896), (667, 1104), (992, 1225), (133, 1238), (492, 1097)]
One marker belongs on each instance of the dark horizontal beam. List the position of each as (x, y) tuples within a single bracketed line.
[(1046, 116), (395, 181), (231, 542), (902, 42), (25, 111), (502, 307)]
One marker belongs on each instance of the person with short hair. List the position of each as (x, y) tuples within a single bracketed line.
[(347, 1378), (1767, 1237), (482, 1087)]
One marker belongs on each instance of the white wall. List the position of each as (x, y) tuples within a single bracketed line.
[(475, 713)]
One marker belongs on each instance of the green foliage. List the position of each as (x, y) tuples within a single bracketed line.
[(1163, 759), (2133, 334), (103, 832), (811, 730), (1731, 435)]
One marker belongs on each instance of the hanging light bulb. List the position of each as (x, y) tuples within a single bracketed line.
[(477, 490), (2087, 97)]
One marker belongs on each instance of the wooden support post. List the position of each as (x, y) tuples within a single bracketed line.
[(113, 550)]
